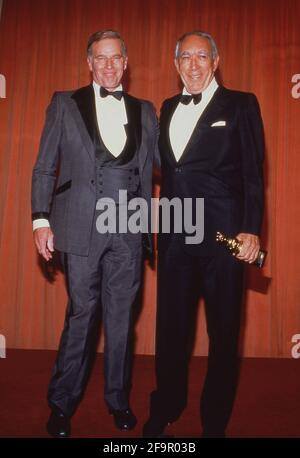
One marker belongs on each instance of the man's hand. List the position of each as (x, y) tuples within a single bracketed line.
[(250, 247), (43, 239)]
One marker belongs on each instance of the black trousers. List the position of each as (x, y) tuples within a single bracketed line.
[(103, 284), (181, 277)]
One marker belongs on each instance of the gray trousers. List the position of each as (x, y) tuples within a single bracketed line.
[(105, 283)]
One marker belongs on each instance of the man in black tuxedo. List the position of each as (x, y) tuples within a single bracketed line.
[(211, 146), (97, 141)]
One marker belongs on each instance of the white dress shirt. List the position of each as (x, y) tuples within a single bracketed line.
[(111, 118), (186, 117)]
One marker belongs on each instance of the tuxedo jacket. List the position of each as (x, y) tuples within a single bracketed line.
[(64, 182), (222, 163)]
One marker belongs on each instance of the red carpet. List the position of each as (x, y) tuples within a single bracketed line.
[(267, 404)]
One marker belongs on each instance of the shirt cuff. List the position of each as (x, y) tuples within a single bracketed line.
[(41, 222)]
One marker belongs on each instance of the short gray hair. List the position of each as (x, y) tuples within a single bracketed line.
[(101, 35), (212, 42)]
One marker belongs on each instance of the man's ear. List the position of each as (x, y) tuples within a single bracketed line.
[(216, 63), (89, 63), (125, 63), (176, 64)]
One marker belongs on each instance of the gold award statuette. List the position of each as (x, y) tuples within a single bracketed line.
[(234, 246)]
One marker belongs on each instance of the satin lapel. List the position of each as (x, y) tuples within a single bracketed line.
[(216, 105), (134, 126), (84, 112), (211, 111), (165, 119)]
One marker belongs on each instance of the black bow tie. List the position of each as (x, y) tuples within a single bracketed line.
[(185, 99), (116, 94)]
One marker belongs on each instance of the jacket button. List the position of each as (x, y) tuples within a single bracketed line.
[(92, 181)]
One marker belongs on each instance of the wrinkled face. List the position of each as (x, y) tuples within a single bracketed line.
[(195, 63), (107, 63)]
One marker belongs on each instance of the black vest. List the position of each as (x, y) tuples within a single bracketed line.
[(116, 173)]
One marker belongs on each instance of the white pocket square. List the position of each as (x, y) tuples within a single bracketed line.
[(218, 123)]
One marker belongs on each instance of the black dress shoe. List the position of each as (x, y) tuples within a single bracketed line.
[(58, 425), (124, 419), (155, 427), (213, 434)]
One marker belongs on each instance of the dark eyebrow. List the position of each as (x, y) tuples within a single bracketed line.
[(188, 53), (114, 55)]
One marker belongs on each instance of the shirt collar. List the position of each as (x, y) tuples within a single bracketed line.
[(208, 92), (97, 88)]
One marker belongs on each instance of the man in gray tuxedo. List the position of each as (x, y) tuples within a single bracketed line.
[(96, 141)]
